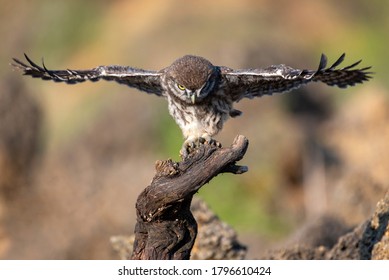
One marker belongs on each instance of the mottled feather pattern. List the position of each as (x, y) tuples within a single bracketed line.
[(67, 76), (342, 77), (249, 83), (148, 81), (200, 95), (191, 71)]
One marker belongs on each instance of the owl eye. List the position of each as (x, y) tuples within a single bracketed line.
[(181, 87)]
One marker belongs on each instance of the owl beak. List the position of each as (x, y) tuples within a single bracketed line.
[(193, 98)]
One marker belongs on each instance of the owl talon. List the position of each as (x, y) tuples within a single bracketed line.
[(217, 144), (200, 95), (213, 142), (190, 145), (186, 149), (184, 152), (210, 141)]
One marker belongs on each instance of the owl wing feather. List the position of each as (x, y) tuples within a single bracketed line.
[(148, 81), (249, 83)]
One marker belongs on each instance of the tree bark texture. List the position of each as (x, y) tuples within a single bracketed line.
[(166, 229)]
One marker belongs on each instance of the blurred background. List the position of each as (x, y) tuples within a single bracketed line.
[(73, 158)]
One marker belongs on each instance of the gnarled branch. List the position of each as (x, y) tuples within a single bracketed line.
[(165, 226)]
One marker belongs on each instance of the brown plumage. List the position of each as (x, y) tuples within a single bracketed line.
[(200, 95)]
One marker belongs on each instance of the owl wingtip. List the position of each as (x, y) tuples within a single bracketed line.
[(323, 62)]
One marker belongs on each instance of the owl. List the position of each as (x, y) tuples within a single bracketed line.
[(200, 95)]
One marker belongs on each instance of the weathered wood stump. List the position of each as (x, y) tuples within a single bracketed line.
[(166, 229)]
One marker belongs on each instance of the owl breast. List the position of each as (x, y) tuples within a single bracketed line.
[(200, 120)]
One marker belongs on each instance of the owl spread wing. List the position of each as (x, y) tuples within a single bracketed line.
[(251, 83), (148, 81)]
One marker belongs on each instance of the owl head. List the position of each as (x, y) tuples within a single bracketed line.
[(191, 78)]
